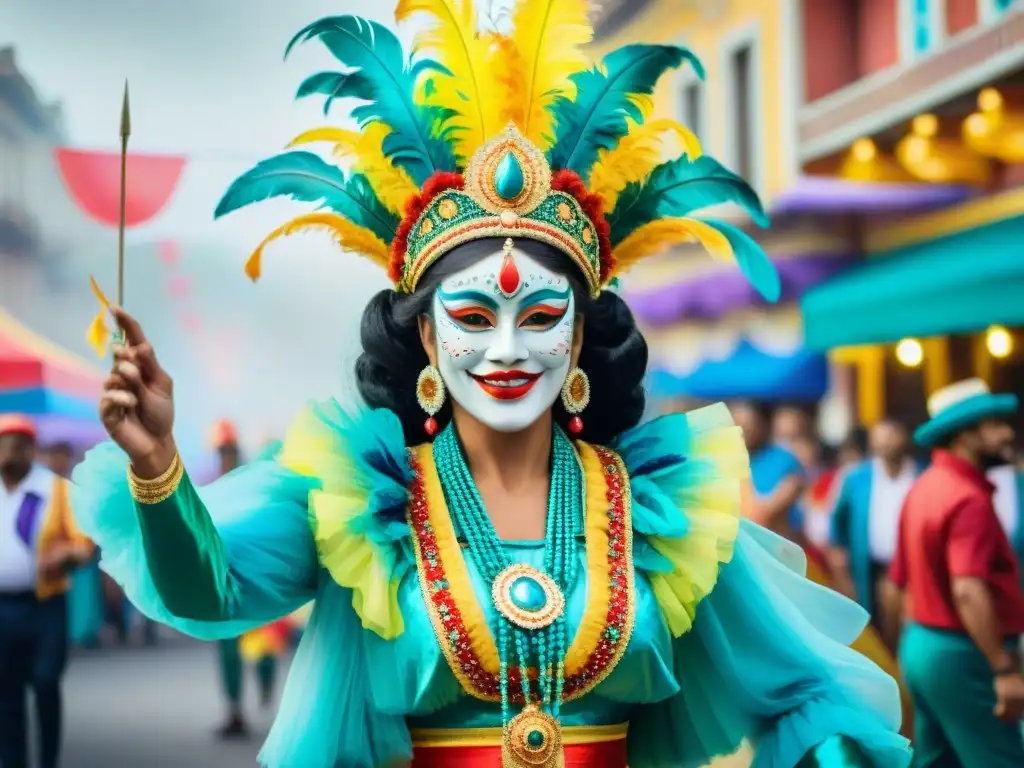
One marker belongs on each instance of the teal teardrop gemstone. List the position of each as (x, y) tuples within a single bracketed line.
[(527, 595), (535, 739), (508, 178)]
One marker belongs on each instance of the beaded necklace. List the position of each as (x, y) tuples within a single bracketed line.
[(530, 603)]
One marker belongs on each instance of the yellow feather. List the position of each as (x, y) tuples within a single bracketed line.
[(657, 237), (348, 236), (450, 38), (505, 71), (637, 154), (363, 150), (98, 335), (549, 35)]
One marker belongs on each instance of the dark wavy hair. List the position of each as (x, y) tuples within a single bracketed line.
[(614, 353)]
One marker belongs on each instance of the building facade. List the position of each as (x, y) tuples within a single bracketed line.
[(923, 92), (711, 337)]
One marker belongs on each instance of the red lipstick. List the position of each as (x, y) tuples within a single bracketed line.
[(506, 385)]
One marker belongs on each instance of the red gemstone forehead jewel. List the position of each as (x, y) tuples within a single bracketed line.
[(508, 276)]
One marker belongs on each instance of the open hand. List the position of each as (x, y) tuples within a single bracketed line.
[(137, 407)]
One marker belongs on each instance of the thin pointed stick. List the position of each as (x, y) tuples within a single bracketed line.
[(126, 131)]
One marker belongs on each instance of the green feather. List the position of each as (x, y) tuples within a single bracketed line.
[(416, 143), (307, 177), (678, 188), (597, 118), (336, 85), (751, 259)]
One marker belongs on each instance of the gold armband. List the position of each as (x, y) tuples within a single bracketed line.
[(159, 488)]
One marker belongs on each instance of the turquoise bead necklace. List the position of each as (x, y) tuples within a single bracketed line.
[(547, 644)]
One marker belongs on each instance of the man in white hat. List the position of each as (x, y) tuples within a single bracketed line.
[(962, 587)]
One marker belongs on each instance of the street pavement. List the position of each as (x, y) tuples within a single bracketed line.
[(153, 708), (158, 708)]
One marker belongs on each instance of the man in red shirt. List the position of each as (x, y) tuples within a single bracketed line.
[(962, 591)]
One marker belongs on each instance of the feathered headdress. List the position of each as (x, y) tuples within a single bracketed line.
[(482, 134)]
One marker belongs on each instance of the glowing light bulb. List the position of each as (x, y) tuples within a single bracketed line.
[(925, 125), (910, 353), (999, 342), (990, 100), (863, 150)]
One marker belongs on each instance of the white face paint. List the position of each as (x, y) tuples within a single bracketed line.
[(504, 354)]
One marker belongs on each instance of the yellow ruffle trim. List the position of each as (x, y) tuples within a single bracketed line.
[(315, 449), (718, 457)]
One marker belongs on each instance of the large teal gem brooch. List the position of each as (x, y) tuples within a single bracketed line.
[(532, 739), (527, 597)]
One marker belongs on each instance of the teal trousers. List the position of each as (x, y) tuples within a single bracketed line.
[(951, 685)]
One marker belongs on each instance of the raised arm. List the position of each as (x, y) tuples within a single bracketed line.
[(213, 561)]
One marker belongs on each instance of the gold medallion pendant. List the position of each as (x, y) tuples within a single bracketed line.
[(532, 739), (528, 598)]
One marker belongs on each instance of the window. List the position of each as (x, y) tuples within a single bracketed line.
[(693, 95), (741, 76), (922, 26)]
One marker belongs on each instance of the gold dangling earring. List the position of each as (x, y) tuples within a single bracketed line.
[(430, 394), (576, 397)]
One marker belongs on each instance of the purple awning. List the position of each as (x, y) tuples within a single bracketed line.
[(826, 194), (714, 294)]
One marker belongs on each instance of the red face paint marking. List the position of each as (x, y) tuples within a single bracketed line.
[(508, 276)]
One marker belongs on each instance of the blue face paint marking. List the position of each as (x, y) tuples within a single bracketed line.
[(473, 296), (545, 294)]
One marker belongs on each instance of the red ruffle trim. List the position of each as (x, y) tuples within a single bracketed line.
[(570, 183)]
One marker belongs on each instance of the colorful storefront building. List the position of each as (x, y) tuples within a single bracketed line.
[(925, 93), (708, 331)]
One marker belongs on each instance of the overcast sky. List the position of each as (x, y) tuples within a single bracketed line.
[(208, 81)]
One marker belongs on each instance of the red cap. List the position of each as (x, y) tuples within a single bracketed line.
[(224, 434), (16, 424)]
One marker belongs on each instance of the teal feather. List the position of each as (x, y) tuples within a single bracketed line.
[(307, 177), (336, 85), (752, 260), (597, 118), (417, 142), (678, 188)]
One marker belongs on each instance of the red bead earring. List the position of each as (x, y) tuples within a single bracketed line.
[(430, 394), (576, 397)]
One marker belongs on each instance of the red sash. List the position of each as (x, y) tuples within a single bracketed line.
[(606, 750), (602, 755)]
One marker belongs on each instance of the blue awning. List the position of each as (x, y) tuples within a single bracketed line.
[(957, 284), (748, 373)]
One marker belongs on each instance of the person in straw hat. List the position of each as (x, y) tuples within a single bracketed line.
[(961, 583)]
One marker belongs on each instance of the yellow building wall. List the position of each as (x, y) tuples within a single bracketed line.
[(707, 33)]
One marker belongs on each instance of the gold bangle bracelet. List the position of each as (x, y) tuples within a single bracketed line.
[(158, 489)]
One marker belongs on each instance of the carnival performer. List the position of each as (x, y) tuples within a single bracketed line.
[(960, 652), (40, 545), (507, 568)]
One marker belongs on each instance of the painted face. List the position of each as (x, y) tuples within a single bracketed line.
[(504, 334)]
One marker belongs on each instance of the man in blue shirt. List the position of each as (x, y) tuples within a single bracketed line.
[(778, 478)]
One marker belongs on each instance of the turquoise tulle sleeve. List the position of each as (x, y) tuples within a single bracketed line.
[(268, 559), (767, 656)]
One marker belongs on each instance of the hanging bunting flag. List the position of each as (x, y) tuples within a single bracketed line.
[(93, 180)]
